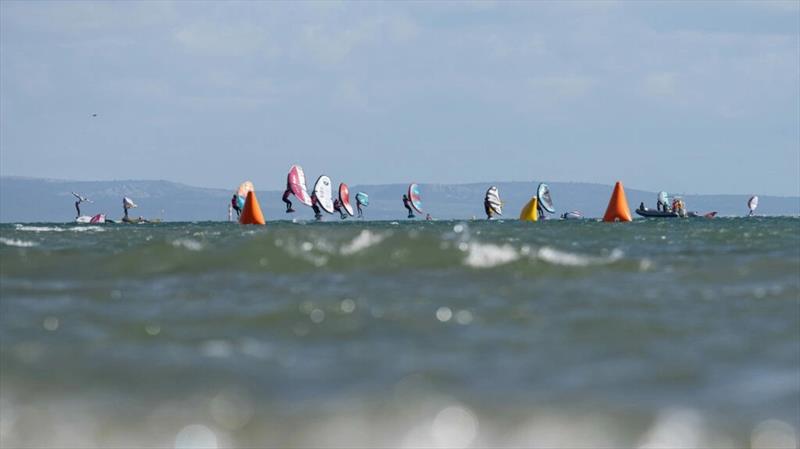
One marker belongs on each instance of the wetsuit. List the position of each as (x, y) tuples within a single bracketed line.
[(286, 200), (487, 207), (358, 206), (540, 210), (235, 205), (315, 207), (337, 206), (77, 207), (407, 205)]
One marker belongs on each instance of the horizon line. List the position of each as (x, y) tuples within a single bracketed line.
[(39, 178)]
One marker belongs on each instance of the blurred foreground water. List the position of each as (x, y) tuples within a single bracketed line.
[(674, 333)]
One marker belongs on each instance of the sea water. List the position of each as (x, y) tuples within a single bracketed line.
[(671, 333)]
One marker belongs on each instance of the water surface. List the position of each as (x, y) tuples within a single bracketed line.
[(451, 334)]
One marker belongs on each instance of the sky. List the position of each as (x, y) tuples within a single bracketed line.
[(693, 97)]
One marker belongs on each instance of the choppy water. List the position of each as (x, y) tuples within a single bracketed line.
[(682, 333)]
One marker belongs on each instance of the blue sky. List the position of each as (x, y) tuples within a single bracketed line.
[(682, 96)]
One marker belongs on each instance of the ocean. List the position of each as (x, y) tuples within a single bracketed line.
[(671, 333)]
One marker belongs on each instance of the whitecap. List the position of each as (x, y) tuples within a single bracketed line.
[(196, 436), (676, 428), (484, 255), (362, 241), (20, 227), (191, 245), (557, 257), (17, 243)]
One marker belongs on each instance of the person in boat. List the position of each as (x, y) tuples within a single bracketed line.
[(641, 206), (337, 206), (662, 206), (235, 205), (358, 207), (407, 205), (679, 207), (285, 198), (315, 207)]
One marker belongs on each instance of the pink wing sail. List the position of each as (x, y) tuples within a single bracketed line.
[(414, 197), (344, 198), (297, 184)]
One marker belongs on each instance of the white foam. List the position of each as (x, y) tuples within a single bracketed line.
[(196, 436), (675, 428), (191, 245), (17, 243), (454, 427), (20, 227), (485, 255), (774, 434), (557, 257), (362, 241)]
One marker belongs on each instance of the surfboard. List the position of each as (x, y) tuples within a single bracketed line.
[(543, 194), (572, 215), (362, 198), (344, 198), (241, 193), (414, 197), (493, 197), (322, 190), (296, 181)]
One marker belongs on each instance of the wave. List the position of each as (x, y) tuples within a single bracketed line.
[(27, 228), (18, 243)]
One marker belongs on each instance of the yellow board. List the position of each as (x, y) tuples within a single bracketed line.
[(529, 212)]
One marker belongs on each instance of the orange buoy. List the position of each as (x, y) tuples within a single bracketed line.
[(251, 212), (618, 209)]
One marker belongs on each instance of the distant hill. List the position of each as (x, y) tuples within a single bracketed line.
[(48, 200)]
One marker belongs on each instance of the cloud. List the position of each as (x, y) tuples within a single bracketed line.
[(87, 16), (234, 40), (349, 95), (561, 87), (660, 85)]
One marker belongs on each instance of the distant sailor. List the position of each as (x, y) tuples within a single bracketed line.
[(286, 194), (315, 207), (358, 206), (235, 205), (487, 207), (337, 206), (78, 203), (127, 203), (540, 211), (407, 205)]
